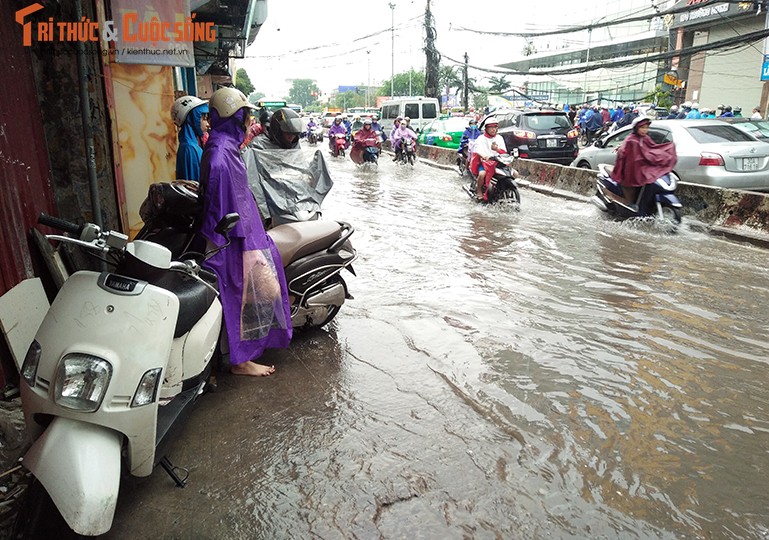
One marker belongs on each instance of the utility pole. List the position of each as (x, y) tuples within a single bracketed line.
[(392, 37), (368, 76), (466, 85), (433, 58)]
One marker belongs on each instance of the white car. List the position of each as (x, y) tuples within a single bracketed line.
[(710, 152)]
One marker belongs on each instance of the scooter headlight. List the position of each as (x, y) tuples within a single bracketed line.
[(81, 382), (31, 361), (148, 388)]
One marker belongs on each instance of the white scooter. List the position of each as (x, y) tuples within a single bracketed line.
[(115, 366)]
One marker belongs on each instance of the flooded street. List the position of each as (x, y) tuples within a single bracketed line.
[(535, 374)]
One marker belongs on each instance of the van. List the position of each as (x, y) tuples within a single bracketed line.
[(421, 111)]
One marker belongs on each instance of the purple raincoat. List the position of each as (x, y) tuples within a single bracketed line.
[(251, 279)]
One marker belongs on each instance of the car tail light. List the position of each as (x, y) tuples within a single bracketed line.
[(711, 158), (446, 138), (522, 134), (573, 134)]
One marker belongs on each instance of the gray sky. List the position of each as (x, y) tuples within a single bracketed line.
[(335, 28)]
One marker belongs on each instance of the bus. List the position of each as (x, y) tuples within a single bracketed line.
[(295, 106), (363, 111)]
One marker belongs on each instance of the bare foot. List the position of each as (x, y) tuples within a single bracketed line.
[(253, 369)]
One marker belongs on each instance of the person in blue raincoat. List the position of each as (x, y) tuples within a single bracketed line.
[(190, 114), (252, 283)]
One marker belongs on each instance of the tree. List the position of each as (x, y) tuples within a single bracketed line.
[(304, 92), (498, 85), (401, 84), (449, 78), (253, 97), (480, 96), (662, 98), (347, 100), (243, 82)]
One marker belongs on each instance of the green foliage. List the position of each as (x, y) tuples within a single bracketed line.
[(499, 85), (663, 98), (347, 99), (304, 92), (401, 84), (243, 82), (253, 97)]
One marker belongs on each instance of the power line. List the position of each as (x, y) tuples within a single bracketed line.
[(689, 51), (592, 26)]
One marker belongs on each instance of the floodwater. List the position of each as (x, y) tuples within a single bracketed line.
[(535, 374)]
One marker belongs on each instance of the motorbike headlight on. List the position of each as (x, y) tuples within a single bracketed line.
[(31, 361), (81, 382), (148, 388)]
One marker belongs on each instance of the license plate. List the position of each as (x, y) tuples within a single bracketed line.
[(750, 164), (551, 143)]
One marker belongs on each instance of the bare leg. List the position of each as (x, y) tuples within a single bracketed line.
[(253, 369), (481, 181)]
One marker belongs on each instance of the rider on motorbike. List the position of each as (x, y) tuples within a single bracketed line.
[(336, 128), (403, 133), (376, 126), (311, 124), (487, 146), (640, 161), (471, 133), (282, 132), (366, 137)]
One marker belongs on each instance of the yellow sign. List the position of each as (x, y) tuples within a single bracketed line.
[(671, 80)]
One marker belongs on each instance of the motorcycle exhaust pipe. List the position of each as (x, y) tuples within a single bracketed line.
[(596, 200)]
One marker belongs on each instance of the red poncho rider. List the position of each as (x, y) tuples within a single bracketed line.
[(640, 160), (480, 164)]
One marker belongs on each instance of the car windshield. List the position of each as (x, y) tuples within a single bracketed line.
[(453, 124), (545, 121), (718, 134)]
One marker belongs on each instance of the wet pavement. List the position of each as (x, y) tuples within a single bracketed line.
[(500, 374)]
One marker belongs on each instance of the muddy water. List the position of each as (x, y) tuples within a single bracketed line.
[(500, 374)]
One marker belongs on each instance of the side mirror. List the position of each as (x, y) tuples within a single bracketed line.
[(598, 143), (227, 223)]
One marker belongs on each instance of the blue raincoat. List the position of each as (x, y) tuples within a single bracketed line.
[(251, 278), (190, 152)]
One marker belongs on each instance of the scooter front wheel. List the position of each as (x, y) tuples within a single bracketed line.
[(39, 517), (671, 217)]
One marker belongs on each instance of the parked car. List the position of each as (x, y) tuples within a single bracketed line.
[(710, 152), (544, 135), (758, 128), (446, 132)]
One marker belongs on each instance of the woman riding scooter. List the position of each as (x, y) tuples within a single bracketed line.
[(640, 161), (400, 135)]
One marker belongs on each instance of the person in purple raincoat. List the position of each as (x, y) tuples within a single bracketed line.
[(252, 284)]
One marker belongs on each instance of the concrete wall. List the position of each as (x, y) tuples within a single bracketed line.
[(739, 214)]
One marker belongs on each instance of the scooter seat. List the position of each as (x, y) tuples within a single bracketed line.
[(295, 240), (194, 298)]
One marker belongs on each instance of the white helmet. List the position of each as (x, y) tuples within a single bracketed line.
[(687, 105), (695, 105), (673, 108), (228, 101), (182, 107)]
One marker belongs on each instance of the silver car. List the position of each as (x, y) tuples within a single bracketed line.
[(710, 152)]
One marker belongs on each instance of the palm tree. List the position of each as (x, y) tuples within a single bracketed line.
[(498, 85), (449, 78)]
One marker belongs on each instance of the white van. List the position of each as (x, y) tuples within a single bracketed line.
[(421, 111)]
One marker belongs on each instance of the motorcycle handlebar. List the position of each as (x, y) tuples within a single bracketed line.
[(59, 224)]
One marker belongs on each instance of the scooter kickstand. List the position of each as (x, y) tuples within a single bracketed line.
[(171, 470)]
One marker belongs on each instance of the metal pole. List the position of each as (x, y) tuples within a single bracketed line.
[(368, 74), (587, 60), (85, 117), (392, 35)]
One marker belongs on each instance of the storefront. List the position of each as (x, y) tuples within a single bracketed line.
[(729, 71)]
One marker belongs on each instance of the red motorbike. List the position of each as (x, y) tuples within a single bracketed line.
[(338, 144)]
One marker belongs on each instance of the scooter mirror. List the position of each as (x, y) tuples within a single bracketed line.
[(227, 223)]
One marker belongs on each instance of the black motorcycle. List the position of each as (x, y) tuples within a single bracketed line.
[(502, 187)]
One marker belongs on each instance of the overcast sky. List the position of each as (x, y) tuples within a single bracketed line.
[(336, 32)]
